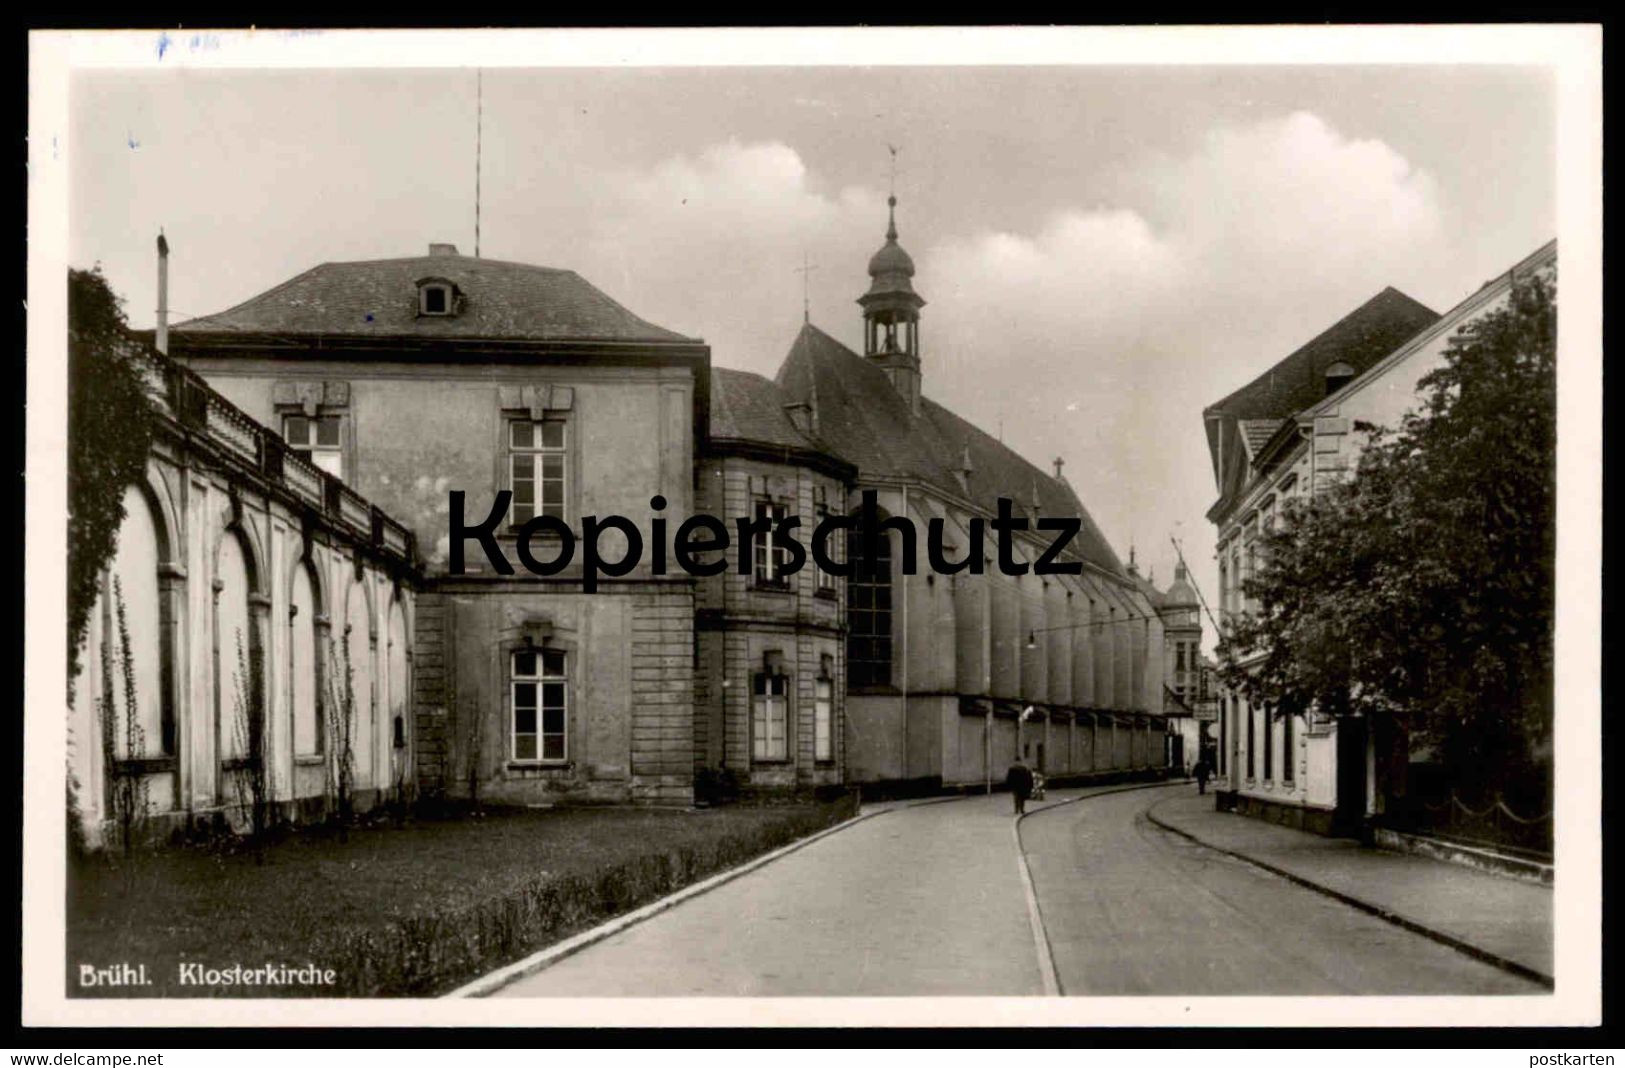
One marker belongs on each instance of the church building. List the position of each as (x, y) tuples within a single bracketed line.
[(401, 392), (949, 676)]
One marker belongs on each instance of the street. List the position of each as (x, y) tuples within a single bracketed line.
[(1132, 909), (930, 899)]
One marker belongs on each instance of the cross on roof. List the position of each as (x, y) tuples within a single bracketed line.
[(805, 271)]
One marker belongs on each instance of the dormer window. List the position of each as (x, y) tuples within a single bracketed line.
[(437, 297), (1338, 375)]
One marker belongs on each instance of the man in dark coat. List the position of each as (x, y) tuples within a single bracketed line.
[(1202, 771), (1020, 781)]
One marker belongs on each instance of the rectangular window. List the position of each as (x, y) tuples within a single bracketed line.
[(1251, 736), (769, 717), (317, 440), (536, 469), (868, 614), (539, 705), (770, 560), (826, 581), (1287, 758), (823, 719), (1269, 746)]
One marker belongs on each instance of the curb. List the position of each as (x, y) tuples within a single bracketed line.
[(1523, 971), (1046, 957), (490, 983)]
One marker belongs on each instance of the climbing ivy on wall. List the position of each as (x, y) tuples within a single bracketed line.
[(110, 428)]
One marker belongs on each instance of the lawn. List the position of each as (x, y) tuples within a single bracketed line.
[(410, 910)]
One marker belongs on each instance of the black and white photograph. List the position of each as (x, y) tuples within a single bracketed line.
[(759, 527)]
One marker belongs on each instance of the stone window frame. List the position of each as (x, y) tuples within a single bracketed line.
[(451, 295), (538, 679), (315, 399), (510, 452), (536, 403), (766, 557), (310, 448), (824, 712), (824, 581), (769, 676)]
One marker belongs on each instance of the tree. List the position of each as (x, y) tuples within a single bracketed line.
[(1419, 591), (109, 434)]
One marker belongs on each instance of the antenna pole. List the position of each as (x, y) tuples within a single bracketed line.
[(805, 271), (479, 145)]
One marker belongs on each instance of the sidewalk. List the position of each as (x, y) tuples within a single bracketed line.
[(1501, 918)]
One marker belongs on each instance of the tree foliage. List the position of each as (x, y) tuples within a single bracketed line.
[(109, 434), (1419, 591)]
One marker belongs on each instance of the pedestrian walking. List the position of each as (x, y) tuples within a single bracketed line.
[(1020, 781), (1202, 771)]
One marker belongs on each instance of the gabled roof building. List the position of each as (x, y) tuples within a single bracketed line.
[(1284, 435), (950, 676), (410, 380)]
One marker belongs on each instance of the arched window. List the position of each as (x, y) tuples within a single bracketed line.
[(303, 664), (235, 648), (395, 661), (868, 613), (131, 587)]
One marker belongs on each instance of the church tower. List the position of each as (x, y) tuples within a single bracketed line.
[(891, 315)]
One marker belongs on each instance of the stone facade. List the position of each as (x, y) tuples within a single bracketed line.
[(950, 676), (232, 551), (1311, 771), (532, 689)]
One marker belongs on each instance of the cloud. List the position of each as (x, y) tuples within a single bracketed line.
[(1218, 263), (711, 244), (1208, 267)]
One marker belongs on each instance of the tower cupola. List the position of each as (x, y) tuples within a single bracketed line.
[(891, 314)]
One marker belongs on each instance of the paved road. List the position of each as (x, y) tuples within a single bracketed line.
[(930, 900), (922, 900), (1132, 909)]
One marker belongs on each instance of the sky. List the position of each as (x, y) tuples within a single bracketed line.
[(1104, 251)]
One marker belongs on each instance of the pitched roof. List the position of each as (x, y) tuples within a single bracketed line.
[(1361, 338), (864, 420), (379, 299), (750, 407)]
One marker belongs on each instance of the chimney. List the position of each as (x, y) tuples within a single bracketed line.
[(436, 249), (161, 335)]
